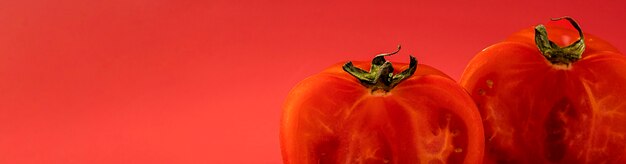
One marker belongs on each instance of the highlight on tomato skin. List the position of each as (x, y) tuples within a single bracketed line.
[(398, 114), (550, 94)]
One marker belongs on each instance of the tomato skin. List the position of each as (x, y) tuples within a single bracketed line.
[(331, 118), (537, 112)]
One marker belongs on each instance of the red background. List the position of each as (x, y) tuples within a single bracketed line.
[(171, 81)]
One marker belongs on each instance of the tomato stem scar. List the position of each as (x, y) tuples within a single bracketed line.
[(380, 76), (560, 55)]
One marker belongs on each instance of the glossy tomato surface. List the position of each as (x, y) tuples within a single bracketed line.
[(331, 118), (538, 112)]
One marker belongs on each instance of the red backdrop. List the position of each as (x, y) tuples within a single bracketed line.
[(170, 81)]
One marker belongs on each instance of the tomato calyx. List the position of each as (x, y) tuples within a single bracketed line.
[(560, 55), (381, 77)]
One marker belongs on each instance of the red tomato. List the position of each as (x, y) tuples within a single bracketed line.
[(415, 116), (543, 103)]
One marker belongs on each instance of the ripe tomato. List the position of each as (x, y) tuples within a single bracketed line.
[(544, 102), (415, 116)]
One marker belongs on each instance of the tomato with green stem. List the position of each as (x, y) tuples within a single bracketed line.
[(544, 99), (348, 115)]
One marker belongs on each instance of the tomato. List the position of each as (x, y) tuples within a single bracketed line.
[(550, 100), (418, 115)]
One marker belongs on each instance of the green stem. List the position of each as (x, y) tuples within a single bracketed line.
[(380, 76), (554, 53)]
